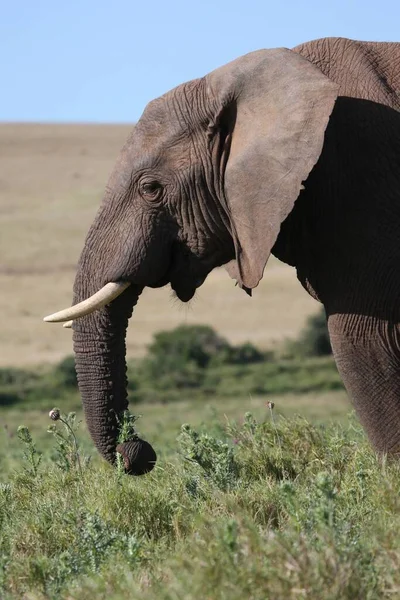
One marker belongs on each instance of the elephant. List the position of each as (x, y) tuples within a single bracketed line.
[(294, 152)]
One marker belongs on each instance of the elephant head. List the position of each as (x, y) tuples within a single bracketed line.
[(206, 178)]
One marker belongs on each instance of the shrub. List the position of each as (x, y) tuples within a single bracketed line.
[(66, 373), (181, 359), (14, 384), (246, 354), (314, 339), (18, 385), (196, 344)]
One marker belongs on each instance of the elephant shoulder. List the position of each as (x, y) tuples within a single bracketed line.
[(365, 70)]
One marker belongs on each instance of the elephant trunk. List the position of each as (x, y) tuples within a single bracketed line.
[(99, 346)]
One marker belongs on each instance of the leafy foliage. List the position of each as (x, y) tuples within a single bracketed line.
[(196, 344), (178, 359), (31, 455), (276, 508), (65, 373), (66, 455), (314, 339), (215, 457), (15, 384)]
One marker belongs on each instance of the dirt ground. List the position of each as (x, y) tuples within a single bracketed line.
[(51, 182)]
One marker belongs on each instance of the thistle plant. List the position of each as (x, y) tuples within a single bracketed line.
[(211, 456), (67, 448), (32, 456)]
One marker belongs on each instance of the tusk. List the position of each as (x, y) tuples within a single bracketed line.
[(107, 294), (67, 324)]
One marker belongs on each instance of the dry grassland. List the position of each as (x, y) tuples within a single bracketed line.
[(51, 182)]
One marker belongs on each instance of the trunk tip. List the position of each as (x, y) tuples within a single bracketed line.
[(139, 456)]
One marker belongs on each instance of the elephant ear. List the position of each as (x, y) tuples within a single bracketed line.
[(279, 106)]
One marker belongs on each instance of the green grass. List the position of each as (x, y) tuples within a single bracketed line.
[(278, 507)]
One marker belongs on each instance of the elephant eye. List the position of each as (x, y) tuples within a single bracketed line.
[(151, 190)]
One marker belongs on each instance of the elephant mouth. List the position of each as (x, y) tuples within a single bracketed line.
[(185, 288), (181, 285), (185, 274), (184, 292), (186, 277)]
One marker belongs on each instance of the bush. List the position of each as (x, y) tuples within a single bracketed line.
[(20, 386), (66, 373), (196, 344), (314, 339), (14, 384), (181, 360), (246, 354)]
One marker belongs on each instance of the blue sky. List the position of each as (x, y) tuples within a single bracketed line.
[(102, 61)]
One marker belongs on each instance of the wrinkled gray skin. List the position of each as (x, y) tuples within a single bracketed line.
[(212, 175)]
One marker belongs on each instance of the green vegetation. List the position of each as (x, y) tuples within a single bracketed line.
[(27, 386), (314, 338), (278, 376), (189, 360), (261, 504), (277, 508), (199, 345)]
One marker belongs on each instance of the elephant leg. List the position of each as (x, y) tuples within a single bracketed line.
[(367, 354)]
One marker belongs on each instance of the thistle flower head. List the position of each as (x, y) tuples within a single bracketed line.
[(54, 414)]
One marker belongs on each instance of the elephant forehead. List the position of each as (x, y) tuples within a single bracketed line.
[(159, 123), (157, 140), (167, 133)]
